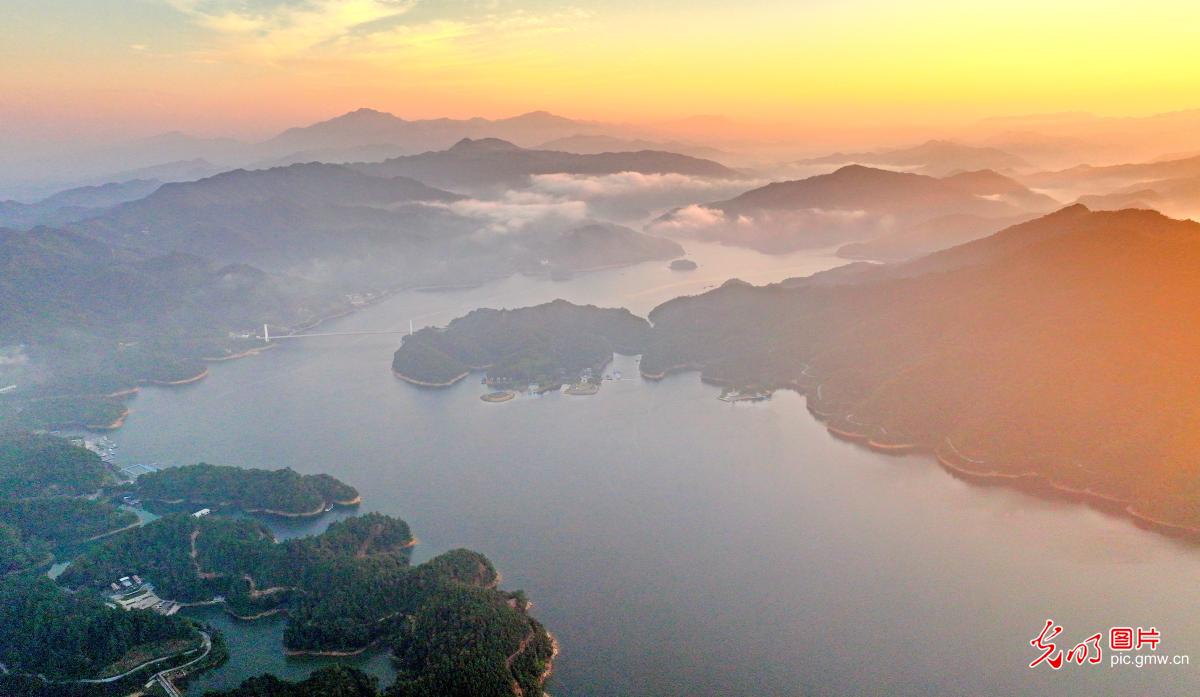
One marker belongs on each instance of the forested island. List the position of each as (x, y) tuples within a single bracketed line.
[(452, 631), (546, 345), (282, 492)]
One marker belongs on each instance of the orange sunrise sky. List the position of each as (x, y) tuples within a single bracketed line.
[(251, 67)]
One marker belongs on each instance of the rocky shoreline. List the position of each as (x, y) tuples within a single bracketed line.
[(1030, 481)]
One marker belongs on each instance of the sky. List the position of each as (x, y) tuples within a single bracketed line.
[(71, 68)]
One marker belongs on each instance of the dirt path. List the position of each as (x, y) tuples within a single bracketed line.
[(516, 688)]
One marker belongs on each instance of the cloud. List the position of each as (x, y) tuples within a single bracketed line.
[(276, 32), (518, 212), (631, 197), (13, 355), (699, 221), (770, 230), (630, 183)]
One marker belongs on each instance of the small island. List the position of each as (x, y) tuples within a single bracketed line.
[(683, 265), (499, 396), (730, 394), (539, 349)]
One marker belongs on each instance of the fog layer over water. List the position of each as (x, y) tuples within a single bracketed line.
[(679, 545)]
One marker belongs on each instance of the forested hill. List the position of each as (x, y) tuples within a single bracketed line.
[(38, 464), (1059, 350), (44, 483), (549, 344), (80, 319), (283, 491), (272, 218), (71, 636)]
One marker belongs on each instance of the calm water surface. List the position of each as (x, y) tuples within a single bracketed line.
[(679, 545)]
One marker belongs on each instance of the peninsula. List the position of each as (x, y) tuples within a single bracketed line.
[(282, 492)]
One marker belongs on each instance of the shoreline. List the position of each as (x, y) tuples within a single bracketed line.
[(343, 653), (422, 383), (185, 381), (242, 354), (117, 423), (256, 616), (678, 368), (263, 511), (288, 514), (554, 651), (1030, 482)]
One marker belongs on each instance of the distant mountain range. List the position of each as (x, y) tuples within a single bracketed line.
[(74, 204), (852, 203), (149, 278), (276, 217), (1050, 354), (926, 237), (594, 144), (935, 157), (1089, 177), (368, 221), (358, 136), (368, 127), (492, 162)]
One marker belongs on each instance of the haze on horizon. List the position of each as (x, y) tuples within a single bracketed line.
[(92, 70)]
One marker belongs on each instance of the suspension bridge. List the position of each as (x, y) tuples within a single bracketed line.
[(268, 338)]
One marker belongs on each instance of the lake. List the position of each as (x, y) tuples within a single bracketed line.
[(676, 544)]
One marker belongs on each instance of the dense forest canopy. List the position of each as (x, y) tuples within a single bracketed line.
[(548, 344), (42, 478), (343, 590), (281, 491), (43, 465), (44, 630), (62, 520), (334, 681)]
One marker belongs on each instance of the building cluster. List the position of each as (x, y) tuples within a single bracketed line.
[(132, 593)]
